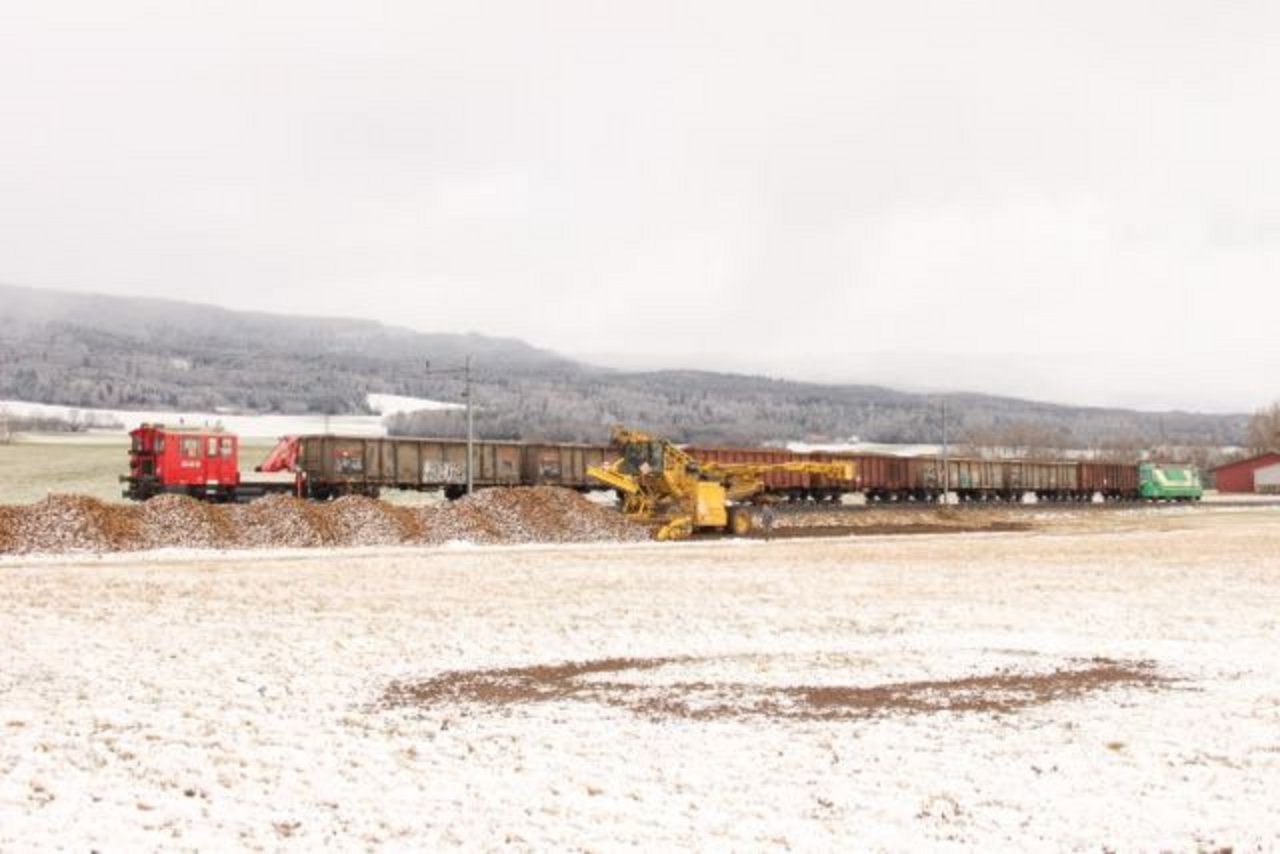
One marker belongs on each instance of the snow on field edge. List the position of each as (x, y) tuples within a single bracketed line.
[(115, 421)]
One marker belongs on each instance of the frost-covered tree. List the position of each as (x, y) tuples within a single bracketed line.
[(1264, 429)]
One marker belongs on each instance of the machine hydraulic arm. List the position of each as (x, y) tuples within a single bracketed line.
[(664, 487)]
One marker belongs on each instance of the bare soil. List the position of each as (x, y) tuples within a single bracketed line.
[(997, 692), (71, 523)]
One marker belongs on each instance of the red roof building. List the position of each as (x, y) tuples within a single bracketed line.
[(1238, 476)]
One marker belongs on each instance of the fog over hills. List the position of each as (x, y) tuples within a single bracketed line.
[(101, 351)]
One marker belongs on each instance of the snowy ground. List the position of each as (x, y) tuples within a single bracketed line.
[(112, 422), (355, 699)]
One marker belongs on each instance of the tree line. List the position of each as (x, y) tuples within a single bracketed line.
[(1263, 432)]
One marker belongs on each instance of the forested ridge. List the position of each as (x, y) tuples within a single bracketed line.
[(97, 351)]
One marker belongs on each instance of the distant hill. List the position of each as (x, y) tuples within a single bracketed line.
[(91, 350), (99, 351)]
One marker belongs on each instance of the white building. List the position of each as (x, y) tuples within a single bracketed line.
[(1267, 478)]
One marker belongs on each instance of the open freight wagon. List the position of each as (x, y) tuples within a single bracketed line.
[(882, 478), (340, 465)]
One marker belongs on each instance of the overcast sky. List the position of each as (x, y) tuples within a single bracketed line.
[(1073, 200)]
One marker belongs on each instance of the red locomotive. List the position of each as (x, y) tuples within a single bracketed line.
[(203, 462)]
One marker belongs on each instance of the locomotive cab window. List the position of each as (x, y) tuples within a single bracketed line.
[(228, 447), (211, 447), (190, 446)]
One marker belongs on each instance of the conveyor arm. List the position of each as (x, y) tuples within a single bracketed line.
[(614, 478)]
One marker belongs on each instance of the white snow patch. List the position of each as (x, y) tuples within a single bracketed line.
[(864, 448), (117, 421), (231, 704), (392, 404)]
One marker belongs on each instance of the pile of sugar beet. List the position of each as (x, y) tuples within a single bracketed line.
[(62, 523)]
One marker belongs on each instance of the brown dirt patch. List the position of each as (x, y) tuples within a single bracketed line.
[(281, 520), (997, 692), (63, 523), (526, 514), (8, 520), (360, 521), (181, 521), (1002, 692), (514, 684)]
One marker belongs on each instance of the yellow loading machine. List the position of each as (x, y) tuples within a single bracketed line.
[(665, 488)]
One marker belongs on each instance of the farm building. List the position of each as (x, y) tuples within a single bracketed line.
[(1240, 475), (1267, 479)]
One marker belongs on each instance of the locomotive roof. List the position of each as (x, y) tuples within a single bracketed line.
[(183, 428)]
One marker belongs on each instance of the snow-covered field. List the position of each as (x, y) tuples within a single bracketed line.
[(1076, 688), (110, 422)]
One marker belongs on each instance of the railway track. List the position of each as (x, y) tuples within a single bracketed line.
[(843, 520), (978, 506)]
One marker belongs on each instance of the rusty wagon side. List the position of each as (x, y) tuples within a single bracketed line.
[(342, 465)]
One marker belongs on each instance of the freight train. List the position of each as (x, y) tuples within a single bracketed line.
[(883, 478), (204, 463)]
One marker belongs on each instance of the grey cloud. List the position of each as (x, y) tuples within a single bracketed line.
[(807, 189)]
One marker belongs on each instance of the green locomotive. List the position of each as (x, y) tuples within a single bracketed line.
[(1169, 483)]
